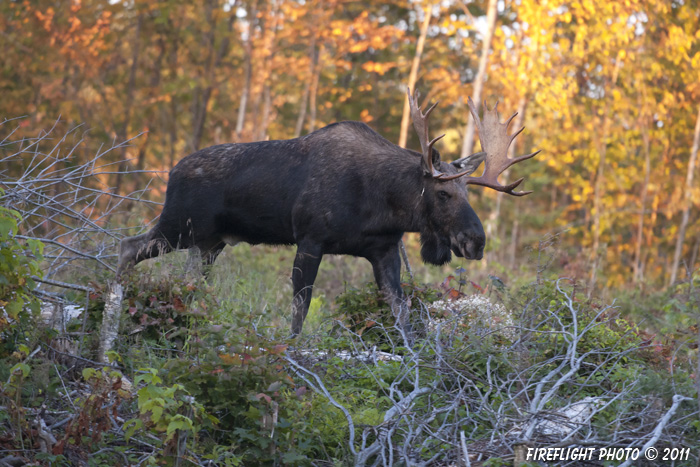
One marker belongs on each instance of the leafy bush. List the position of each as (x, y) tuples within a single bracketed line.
[(227, 386), (366, 312), (19, 262)]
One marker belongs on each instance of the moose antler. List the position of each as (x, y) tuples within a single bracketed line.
[(420, 123), (495, 142)]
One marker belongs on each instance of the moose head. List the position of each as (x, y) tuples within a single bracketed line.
[(451, 224)]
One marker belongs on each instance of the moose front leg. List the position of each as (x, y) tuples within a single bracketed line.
[(387, 273), (304, 273)]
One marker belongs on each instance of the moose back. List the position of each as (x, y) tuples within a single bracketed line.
[(343, 189)]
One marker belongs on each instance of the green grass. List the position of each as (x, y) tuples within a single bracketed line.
[(257, 280)]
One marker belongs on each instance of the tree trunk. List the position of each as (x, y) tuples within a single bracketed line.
[(514, 243), (694, 255), (110, 320), (650, 236), (202, 97), (214, 57), (307, 88), (599, 181), (248, 71), (202, 92), (468, 142), (265, 119), (267, 88), (687, 201), (172, 133), (413, 75), (141, 157), (313, 91), (405, 117), (130, 87), (637, 276)]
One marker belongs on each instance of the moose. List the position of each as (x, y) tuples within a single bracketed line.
[(342, 189)]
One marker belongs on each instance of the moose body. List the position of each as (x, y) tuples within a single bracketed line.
[(343, 189)]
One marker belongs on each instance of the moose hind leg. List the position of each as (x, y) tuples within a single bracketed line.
[(306, 264)]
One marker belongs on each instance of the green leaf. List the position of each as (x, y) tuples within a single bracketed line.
[(21, 367), (8, 226), (130, 427), (89, 373), (179, 422), (292, 457)]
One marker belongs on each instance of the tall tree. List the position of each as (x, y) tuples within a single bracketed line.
[(491, 11), (687, 200), (248, 68), (413, 75)]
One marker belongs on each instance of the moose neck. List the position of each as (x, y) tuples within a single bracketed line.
[(405, 196)]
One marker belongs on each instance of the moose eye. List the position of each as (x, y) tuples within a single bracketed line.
[(443, 195)]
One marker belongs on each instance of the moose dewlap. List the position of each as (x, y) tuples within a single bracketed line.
[(343, 189)]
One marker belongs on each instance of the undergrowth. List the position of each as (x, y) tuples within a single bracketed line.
[(203, 374)]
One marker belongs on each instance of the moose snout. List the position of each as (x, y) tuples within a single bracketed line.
[(470, 246)]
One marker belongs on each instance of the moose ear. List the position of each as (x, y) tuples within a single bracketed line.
[(470, 163), (436, 158)]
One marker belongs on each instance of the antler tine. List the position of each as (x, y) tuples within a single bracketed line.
[(510, 119), (514, 135), (420, 123), (525, 157)]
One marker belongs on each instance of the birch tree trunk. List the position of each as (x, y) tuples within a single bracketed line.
[(687, 201), (248, 71), (468, 142), (413, 75), (637, 276), (514, 243), (110, 320)]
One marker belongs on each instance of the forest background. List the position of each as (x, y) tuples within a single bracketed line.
[(610, 91)]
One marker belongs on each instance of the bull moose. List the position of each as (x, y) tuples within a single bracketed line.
[(342, 189)]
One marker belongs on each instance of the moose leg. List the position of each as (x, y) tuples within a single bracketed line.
[(304, 273), (209, 256), (387, 273), (202, 257)]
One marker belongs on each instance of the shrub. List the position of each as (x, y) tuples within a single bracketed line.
[(19, 262)]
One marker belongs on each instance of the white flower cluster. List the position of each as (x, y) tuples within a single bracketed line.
[(475, 312)]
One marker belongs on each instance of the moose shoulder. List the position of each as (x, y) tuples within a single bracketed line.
[(342, 189)]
